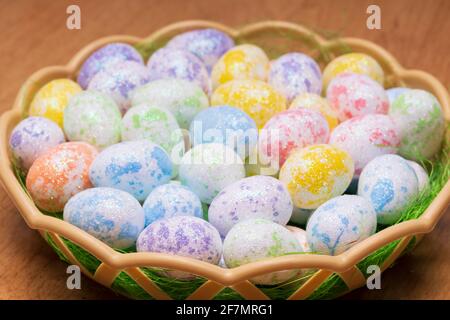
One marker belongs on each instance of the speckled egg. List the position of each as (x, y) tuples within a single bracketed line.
[(253, 197), (256, 98), (103, 57), (51, 100), (340, 223), (207, 44), (390, 184), (366, 137), (359, 63), (184, 236), (352, 95), (178, 64), (257, 239), (315, 174), (93, 117), (418, 116), (224, 124), (170, 200), (59, 174), (207, 169), (301, 216), (182, 98), (118, 80), (301, 237), (110, 215), (245, 61), (293, 74), (422, 176), (291, 130), (394, 93), (315, 102), (31, 138), (137, 167)]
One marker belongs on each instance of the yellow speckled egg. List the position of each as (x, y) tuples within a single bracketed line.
[(51, 100), (316, 174), (353, 62), (315, 102), (258, 99), (242, 62)]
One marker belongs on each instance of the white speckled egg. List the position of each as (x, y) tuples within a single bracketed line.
[(394, 93), (301, 216), (301, 236), (422, 175)]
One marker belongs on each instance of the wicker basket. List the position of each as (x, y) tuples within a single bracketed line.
[(276, 37)]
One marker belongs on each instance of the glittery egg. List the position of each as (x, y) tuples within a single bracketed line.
[(301, 237), (31, 138), (93, 117), (207, 169), (258, 239), (59, 174), (352, 95), (341, 223), (366, 137), (110, 215), (256, 98), (182, 98), (418, 116), (224, 124), (394, 93), (301, 216), (245, 61), (137, 167), (178, 64), (170, 200), (422, 175), (356, 63), (207, 44), (315, 102), (293, 74), (105, 56), (253, 197), (390, 184), (51, 100), (184, 236), (291, 130), (315, 174), (118, 80)]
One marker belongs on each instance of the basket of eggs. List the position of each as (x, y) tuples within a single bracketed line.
[(207, 162)]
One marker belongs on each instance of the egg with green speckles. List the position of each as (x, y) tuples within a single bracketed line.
[(419, 118), (93, 117), (394, 93), (340, 223), (182, 98), (422, 175), (257, 239)]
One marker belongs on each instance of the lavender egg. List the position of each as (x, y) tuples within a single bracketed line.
[(31, 138), (105, 56)]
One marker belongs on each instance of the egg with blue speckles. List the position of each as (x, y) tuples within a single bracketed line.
[(258, 239), (253, 197), (110, 215), (170, 200), (390, 184), (422, 175), (394, 93), (340, 223), (301, 216), (184, 236), (136, 167), (31, 138)]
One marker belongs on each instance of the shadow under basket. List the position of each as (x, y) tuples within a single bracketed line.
[(138, 276)]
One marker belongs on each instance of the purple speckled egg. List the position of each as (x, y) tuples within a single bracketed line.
[(103, 57), (168, 63), (31, 138), (185, 236), (207, 44), (295, 73)]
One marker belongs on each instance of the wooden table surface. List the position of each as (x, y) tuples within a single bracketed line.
[(34, 35)]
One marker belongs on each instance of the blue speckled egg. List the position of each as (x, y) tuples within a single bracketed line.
[(110, 215), (227, 125), (394, 93), (390, 184), (340, 223), (422, 175), (253, 197), (300, 216), (105, 56), (137, 167), (31, 138), (171, 200)]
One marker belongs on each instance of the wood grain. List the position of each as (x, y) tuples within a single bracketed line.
[(33, 35)]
